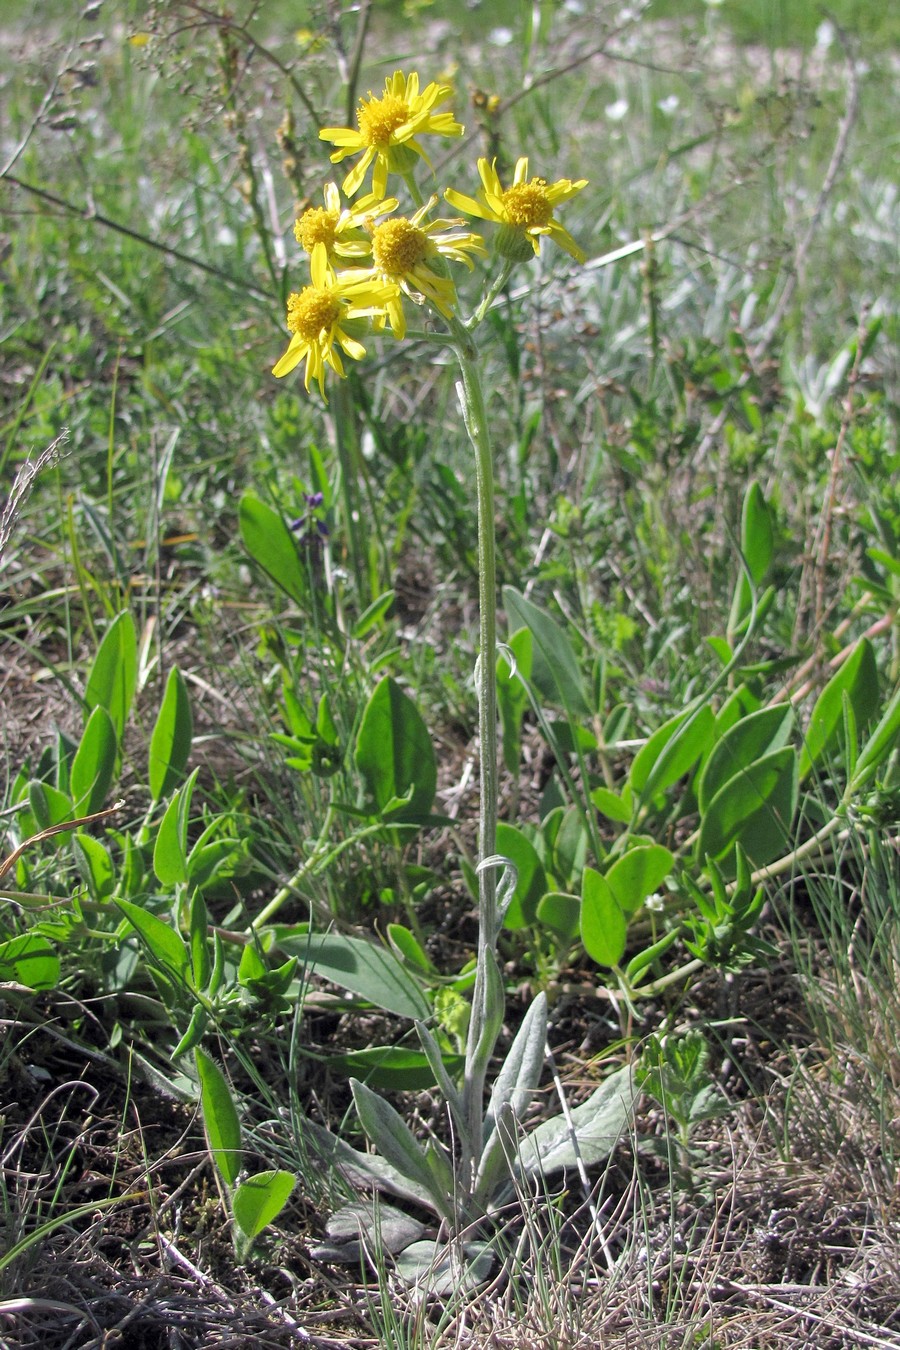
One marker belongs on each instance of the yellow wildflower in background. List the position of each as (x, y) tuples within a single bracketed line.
[(317, 318), (388, 128), (402, 251), (523, 211), (338, 231)]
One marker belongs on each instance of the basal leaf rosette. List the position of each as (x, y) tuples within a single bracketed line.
[(525, 211), (388, 129), (326, 315)]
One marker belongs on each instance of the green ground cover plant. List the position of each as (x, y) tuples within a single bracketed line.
[(449, 783)]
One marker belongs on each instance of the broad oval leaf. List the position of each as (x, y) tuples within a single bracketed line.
[(259, 1200), (604, 928), (394, 754), (598, 1125), (29, 960), (755, 808), (561, 913), (637, 874), (742, 744), (531, 882), (270, 543)]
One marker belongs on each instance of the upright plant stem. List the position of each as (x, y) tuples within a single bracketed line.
[(477, 1053)]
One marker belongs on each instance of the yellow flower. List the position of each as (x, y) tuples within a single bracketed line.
[(388, 127), (317, 318), (341, 232), (402, 251), (523, 211)]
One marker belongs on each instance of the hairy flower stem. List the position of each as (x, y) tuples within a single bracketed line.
[(475, 416)]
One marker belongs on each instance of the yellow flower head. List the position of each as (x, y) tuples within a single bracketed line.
[(388, 127), (402, 252), (317, 318), (337, 231), (523, 211)]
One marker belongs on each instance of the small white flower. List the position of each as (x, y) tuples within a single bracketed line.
[(501, 37), (668, 105), (616, 111), (655, 903), (825, 35)]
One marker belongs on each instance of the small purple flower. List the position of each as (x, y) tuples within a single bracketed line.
[(311, 526)]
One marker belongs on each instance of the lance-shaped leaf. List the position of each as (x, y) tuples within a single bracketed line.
[(857, 678), (512, 1091), (395, 756), (366, 1169), (397, 1145)]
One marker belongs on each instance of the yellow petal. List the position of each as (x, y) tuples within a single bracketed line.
[(467, 204)]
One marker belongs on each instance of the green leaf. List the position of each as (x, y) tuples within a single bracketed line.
[(513, 1088), (170, 855), (94, 764), (394, 754), (373, 614), (259, 1200), (611, 805), (170, 744), (880, 743), (554, 670), (512, 695), (742, 745), (113, 677), (531, 882), (270, 543), (442, 1269), (220, 1117), (95, 865), (604, 927), (757, 545), (671, 751), (637, 874), (561, 913), (201, 960), (365, 1169), (598, 1125), (408, 948), (755, 809), (857, 678), (29, 960), (393, 1139), (165, 945), (48, 805), (393, 1068), (371, 971)]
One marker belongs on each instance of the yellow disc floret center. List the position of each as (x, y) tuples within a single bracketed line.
[(316, 226), (379, 118), (527, 204), (398, 246), (311, 312)]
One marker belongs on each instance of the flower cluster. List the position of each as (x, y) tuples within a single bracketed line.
[(364, 257)]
